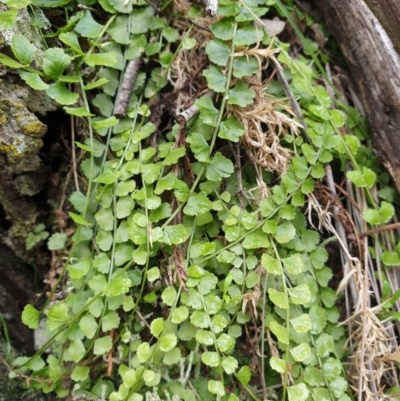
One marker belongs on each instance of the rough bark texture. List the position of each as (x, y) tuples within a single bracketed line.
[(375, 67)]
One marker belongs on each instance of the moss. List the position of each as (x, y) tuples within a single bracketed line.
[(34, 128)]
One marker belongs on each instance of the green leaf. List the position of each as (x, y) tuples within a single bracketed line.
[(200, 319), (23, 50), (271, 264), (391, 258), (78, 270), (173, 156), (338, 386), (61, 94), (300, 294), (279, 365), (231, 129), (102, 345), (199, 147), (17, 3), (142, 19), (285, 232), (80, 373), (103, 59), (337, 118), (124, 206), (319, 111), (244, 375), (157, 327), (298, 392), (105, 219), (78, 112), (143, 352), (362, 179), (318, 318), (210, 358), (205, 337), (244, 66), (302, 323), (216, 387), (57, 316), (118, 30), (118, 285), (76, 351), (293, 264), (172, 357), (218, 323), (229, 364), (55, 61), (180, 314), (248, 35), (301, 352), (280, 299), (96, 84), (324, 345), (280, 332), (313, 376), (216, 80), (8, 61), (33, 80), (219, 167), (241, 95), (175, 235), (188, 43), (386, 211), (168, 342), (197, 204), (88, 325), (108, 177), (110, 321), (30, 317), (71, 40), (57, 241), (256, 239), (8, 19), (169, 296), (223, 29), (88, 27), (208, 112), (218, 52)]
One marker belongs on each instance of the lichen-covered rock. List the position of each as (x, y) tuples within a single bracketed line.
[(20, 130)]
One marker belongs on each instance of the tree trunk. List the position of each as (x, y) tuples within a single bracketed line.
[(374, 64)]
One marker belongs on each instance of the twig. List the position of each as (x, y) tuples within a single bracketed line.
[(378, 230), (125, 91), (199, 26), (186, 115), (288, 91)]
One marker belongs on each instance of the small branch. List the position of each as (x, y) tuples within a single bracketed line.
[(288, 91), (199, 26), (186, 115), (125, 91), (378, 230)]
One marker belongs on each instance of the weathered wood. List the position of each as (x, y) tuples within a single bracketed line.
[(375, 67)]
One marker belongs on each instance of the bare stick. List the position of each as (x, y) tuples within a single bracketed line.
[(124, 93), (379, 230), (186, 115), (288, 91)]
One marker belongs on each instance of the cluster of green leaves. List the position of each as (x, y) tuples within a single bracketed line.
[(145, 218)]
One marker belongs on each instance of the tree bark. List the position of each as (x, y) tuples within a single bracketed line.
[(375, 67)]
